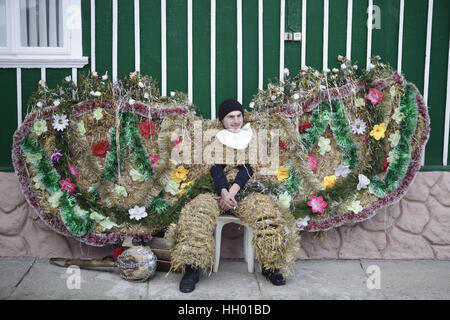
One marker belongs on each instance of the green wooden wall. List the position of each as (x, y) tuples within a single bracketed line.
[(384, 43)]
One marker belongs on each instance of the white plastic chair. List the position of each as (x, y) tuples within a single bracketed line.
[(249, 253)]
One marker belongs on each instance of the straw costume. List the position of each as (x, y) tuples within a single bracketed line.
[(193, 236)]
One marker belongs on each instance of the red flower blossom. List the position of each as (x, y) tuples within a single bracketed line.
[(67, 185), (100, 149), (146, 128), (282, 144), (178, 141), (303, 126), (385, 164), (117, 252)]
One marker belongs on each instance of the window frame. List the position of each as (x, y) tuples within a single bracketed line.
[(68, 56)]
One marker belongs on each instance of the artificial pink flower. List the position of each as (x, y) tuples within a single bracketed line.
[(153, 160), (317, 204), (312, 162), (73, 171), (282, 144), (99, 201), (67, 185), (178, 141), (374, 96)]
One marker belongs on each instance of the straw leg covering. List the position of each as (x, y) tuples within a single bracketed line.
[(274, 235), (193, 236)]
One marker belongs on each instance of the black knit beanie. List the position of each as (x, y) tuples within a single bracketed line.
[(228, 106)]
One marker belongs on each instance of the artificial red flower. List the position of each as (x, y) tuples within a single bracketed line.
[(282, 144), (303, 126), (100, 149), (117, 252), (99, 201), (146, 128), (385, 164), (67, 185)]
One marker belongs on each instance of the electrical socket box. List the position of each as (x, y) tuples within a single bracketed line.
[(287, 36), (297, 36)]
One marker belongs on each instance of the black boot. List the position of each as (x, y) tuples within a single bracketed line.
[(190, 278), (275, 277)]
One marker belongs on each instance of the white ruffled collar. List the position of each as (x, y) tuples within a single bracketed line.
[(239, 140)]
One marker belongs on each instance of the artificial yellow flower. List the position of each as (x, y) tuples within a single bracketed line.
[(328, 181), (282, 173), (179, 174), (185, 185), (378, 131)]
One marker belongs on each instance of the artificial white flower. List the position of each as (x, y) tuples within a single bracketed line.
[(136, 175), (107, 224), (360, 102), (131, 101), (120, 191), (355, 206), (172, 93), (251, 105), (284, 200), (398, 116), (392, 157), (39, 104), (95, 94), (296, 96), (342, 171), (54, 199), (358, 126), (105, 76), (363, 182), (146, 95), (335, 70), (273, 97), (98, 114), (172, 187), (394, 138), (302, 223), (80, 212), (39, 127), (324, 145), (60, 122), (33, 157), (140, 84), (80, 127), (97, 217), (137, 213), (286, 72), (38, 184), (56, 103)]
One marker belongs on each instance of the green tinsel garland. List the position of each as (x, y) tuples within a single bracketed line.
[(340, 127), (341, 132), (130, 140), (397, 169), (76, 224)]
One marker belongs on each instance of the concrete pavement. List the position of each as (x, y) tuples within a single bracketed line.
[(31, 278)]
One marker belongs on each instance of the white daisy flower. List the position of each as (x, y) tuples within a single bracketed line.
[(60, 122), (358, 126)]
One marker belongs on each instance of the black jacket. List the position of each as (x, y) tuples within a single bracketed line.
[(220, 181)]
